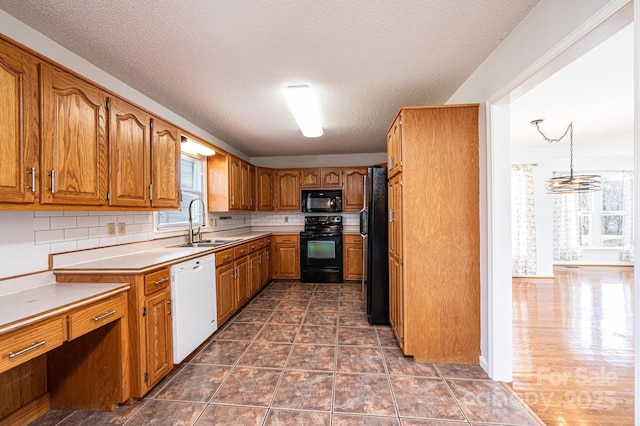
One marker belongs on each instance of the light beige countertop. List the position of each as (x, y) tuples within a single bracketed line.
[(28, 306), (149, 259)]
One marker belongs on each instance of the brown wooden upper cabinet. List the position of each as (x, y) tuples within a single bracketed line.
[(130, 155), (165, 164), (394, 147), (264, 189), (353, 194), (321, 178), (229, 183), (252, 187), (74, 140), (287, 190), (19, 125), (66, 142)]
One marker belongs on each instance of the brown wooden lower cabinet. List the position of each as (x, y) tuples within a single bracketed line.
[(352, 257), (149, 323), (73, 360), (286, 256), (240, 274), (225, 292)]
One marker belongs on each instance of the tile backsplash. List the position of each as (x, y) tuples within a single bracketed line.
[(70, 230), (27, 238)]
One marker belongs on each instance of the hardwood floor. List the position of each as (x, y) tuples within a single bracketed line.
[(573, 345)]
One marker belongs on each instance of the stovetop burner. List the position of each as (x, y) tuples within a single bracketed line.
[(322, 225)]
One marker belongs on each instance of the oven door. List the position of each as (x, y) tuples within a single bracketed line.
[(320, 250)]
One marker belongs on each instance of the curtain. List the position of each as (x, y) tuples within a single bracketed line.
[(627, 224), (566, 226), (523, 221)]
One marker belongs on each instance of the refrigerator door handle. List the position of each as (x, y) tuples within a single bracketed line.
[(364, 192)]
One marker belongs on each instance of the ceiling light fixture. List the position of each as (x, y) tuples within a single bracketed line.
[(190, 146), (572, 183), (305, 110)]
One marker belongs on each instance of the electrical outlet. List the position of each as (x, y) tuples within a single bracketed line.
[(111, 229), (211, 225), (286, 219), (122, 228)]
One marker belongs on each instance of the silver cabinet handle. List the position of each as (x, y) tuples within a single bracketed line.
[(390, 215), (32, 172), (103, 316), (160, 281), (27, 349), (227, 256), (53, 181)]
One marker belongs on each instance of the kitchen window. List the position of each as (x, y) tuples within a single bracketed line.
[(192, 185)]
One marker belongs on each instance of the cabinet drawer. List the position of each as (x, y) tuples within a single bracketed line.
[(241, 250), (224, 256), (253, 246), (352, 239), (96, 315), (157, 281), (27, 343), (262, 243), (286, 239)]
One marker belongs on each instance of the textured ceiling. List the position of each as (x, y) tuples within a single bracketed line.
[(222, 64)]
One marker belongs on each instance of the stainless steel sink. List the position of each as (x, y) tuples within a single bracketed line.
[(209, 243)]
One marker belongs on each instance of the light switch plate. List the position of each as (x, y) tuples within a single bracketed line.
[(122, 228), (111, 229)]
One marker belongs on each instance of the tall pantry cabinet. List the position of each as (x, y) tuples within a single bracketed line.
[(434, 265)]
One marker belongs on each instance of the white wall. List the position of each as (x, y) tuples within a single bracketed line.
[(538, 38)]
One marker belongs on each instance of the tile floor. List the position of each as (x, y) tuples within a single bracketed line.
[(304, 354)]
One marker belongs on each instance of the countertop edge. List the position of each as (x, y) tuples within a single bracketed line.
[(44, 315)]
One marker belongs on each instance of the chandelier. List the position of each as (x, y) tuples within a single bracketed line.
[(568, 183)]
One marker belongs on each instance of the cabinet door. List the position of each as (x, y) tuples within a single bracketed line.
[(394, 147), (235, 183), (353, 196), (395, 216), (244, 187), (264, 190), (287, 261), (129, 155), (352, 262), (396, 284), (331, 178), (255, 272), (225, 292), (159, 343), (311, 178), (396, 301), (243, 283), (19, 125), (165, 165), (265, 269), (252, 187), (74, 144), (288, 190)]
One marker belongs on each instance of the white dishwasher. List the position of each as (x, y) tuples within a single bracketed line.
[(193, 305)]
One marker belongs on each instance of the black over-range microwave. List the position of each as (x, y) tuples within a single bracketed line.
[(317, 200)]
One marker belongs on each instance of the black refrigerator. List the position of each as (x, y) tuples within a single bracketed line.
[(373, 229)]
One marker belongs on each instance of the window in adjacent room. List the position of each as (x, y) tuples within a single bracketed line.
[(602, 214)]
